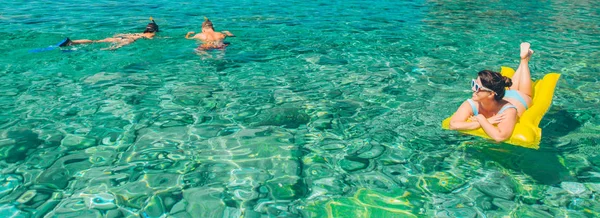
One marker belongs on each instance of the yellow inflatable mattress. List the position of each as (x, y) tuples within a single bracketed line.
[(527, 132)]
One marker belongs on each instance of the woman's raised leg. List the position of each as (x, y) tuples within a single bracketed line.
[(522, 78)]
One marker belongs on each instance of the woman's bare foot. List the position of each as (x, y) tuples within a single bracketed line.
[(525, 51)]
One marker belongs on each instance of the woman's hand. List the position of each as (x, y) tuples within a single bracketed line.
[(496, 118), (480, 118), (492, 120), (187, 36), (227, 33)]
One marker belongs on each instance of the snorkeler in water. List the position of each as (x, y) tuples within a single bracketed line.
[(119, 40), (210, 39)]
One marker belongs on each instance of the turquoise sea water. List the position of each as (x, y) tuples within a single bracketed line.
[(317, 109)]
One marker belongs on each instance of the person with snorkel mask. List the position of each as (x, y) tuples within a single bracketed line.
[(209, 38), (119, 40)]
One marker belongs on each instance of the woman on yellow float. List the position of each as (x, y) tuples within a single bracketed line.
[(492, 107)]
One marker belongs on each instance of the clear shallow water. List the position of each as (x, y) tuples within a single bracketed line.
[(316, 109)]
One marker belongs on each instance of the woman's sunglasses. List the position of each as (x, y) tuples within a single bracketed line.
[(476, 87)]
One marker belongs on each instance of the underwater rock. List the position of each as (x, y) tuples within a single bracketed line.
[(374, 151), (561, 212), (204, 202), (529, 191), (187, 100), (116, 213), (397, 155), (34, 198), (318, 170), (395, 90), (195, 179), (285, 117), (351, 163), (243, 187), (170, 119), (102, 156), (8, 183), (207, 131), (72, 207), (484, 202), (588, 206), (323, 60), (54, 177), (368, 203), (590, 176), (442, 182), (373, 180), (48, 205), (595, 160), (132, 194), (178, 210), (556, 197), (499, 186), (75, 142), (322, 123), (75, 214), (595, 187), (577, 164), (505, 205), (496, 190), (19, 144), (27, 196), (332, 146), (495, 214), (101, 201), (573, 188), (154, 208), (59, 174), (53, 139), (287, 188), (529, 211), (232, 212), (457, 212), (101, 77), (8, 210), (170, 199), (328, 186), (345, 108), (10, 92), (161, 180)]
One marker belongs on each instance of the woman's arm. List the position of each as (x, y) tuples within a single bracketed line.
[(227, 33), (187, 36), (459, 120), (505, 127)]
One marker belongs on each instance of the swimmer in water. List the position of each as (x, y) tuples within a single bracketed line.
[(118, 40), (209, 38)]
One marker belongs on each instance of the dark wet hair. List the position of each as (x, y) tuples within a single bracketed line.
[(207, 24), (151, 27), (495, 81)]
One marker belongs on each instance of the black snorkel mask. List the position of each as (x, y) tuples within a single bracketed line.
[(151, 27)]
